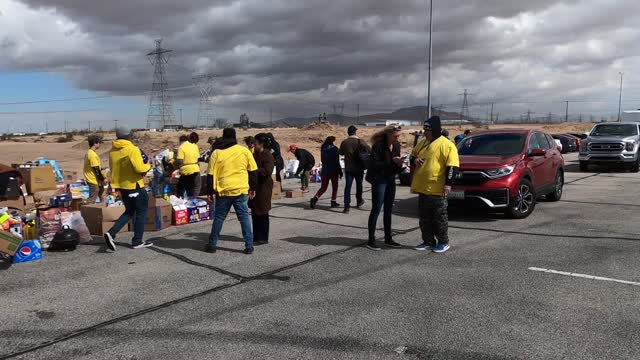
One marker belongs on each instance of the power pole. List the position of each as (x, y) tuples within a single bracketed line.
[(160, 109), (181, 117), (430, 59), (566, 116), (89, 125), (528, 114), (491, 120), (271, 116), (206, 112), (620, 98), (358, 113), (116, 126)]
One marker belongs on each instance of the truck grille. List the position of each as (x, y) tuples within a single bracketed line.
[(606, 147)]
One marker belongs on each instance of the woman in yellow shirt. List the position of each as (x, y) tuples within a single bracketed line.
[(187, 162)]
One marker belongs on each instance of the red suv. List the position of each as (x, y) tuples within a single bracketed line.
[(509, 170)]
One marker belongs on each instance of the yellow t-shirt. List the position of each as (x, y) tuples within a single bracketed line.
[(230, 170), (91, 160), (189, 154), (429, 179)]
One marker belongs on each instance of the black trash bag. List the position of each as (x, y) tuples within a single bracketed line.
[(5, 261)]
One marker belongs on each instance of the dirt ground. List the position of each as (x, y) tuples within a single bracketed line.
[(70, 155)]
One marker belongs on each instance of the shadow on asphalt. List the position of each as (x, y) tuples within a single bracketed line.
[(409, 208), (335, 241), (194, 241), (574, 167)]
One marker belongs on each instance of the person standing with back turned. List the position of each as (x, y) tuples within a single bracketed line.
[(354, 167), (261, 203), (385, 163), (128, 166), (234, 176), (437, 165), (330, 172), (187, 162)]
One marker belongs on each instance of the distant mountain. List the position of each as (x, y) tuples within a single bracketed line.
[(415, 113)]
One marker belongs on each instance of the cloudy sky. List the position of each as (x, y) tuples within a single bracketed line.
[(300, 57)]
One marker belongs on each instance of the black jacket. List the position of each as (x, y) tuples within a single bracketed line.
[(307, 161), (381, 162)]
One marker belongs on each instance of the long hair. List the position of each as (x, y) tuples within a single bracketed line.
[(383, 135), (328, 141)]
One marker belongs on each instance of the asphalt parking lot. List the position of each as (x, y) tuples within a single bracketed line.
[(508, 289)]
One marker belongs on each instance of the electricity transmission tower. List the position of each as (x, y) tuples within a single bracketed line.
[(528, 116), (464, 113), (160, 109), (206, 113), (338, 109)]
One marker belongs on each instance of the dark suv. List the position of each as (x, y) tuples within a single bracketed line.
[(509, 170)]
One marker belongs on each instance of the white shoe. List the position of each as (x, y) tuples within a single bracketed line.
[(143, 245)]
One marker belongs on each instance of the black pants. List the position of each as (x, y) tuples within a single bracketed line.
[(260, 227), (434, 219), (190, 184)]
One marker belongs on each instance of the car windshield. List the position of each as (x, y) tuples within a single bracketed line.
[(492, 145), (615, 130)]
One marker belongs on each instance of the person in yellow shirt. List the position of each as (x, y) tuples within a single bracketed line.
[(436, 162), (233, 174), (128, 166), (187, 161), (93, 170)]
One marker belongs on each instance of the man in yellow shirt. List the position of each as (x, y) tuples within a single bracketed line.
[(128, 166), (437, 163), (187, 162), (234, 175), (93, 170)]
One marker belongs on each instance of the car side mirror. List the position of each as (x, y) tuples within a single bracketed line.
[(538, 152)]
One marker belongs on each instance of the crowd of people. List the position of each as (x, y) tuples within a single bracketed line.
[(241, 177)]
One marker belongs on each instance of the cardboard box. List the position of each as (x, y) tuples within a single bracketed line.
[(194, 215), (99, 229), (38, 178), (71, 176), (158, 217), (294, 194), (204, 212), (9, 244), (101, 213), (180, 215), (19, 203)]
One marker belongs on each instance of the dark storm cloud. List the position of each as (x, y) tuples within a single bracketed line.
[(369, 51)]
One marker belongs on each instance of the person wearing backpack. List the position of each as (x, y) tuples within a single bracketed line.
[(330, 172), (354, 150), (384, 165)]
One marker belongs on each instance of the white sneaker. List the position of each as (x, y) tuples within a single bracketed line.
[(143, 245), (111, 244)]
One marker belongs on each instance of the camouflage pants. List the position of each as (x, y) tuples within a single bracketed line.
[(434, 219)]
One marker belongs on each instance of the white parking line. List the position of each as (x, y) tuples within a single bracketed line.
[(584, 276)]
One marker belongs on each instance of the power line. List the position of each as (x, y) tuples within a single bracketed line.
[(47, 112), (57, 100)]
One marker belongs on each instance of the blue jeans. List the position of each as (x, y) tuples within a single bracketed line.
[(383, 192), (158, 181), (222, 206), (350, 177), (136, 207)]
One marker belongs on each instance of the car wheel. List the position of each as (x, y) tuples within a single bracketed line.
[(584, 166), (556, 195), (636, 166), (523, 204)]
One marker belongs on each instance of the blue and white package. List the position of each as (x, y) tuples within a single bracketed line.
[(30, 250)]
